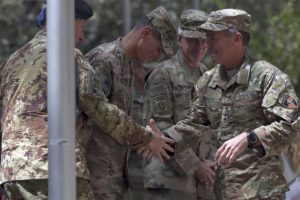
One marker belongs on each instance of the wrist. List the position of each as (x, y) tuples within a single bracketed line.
[(252, 139)]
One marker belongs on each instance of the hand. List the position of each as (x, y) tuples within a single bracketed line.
[(159, 145), (231, 149), (206, 173)]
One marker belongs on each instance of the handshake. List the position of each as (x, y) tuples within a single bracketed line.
[(159, 145), (162, 146)]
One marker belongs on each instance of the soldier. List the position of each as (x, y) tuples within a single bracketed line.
[(24, 164), (251, 106), (107, 160), (169, 92)]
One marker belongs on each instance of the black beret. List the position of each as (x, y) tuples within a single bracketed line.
[(83, 10)]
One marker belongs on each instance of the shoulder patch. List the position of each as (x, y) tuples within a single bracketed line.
[(288, 101), (99, 83)]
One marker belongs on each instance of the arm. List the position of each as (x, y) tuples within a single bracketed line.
[(280, 107), (158, 99), (189, 132), (106, 116)]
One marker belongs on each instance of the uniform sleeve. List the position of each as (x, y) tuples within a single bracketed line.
[(159, 103), (188, 133), (102, 64), (108, 117), (280, 106)]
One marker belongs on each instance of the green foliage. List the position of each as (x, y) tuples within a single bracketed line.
[(275, 30)]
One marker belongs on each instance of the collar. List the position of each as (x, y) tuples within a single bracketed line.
[(241, 77)]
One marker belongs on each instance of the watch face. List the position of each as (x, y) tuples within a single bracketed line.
[(252, 138)]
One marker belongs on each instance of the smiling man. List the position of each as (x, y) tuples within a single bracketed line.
[(169, 91), (249, 104)]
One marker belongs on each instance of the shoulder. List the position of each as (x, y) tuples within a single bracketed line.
[(159, 75), (270, 73), (34, 51), (202, 68), (165, 71), (207, 77), (102, 54), (81, 61)]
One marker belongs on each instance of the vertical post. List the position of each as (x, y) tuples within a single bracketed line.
[(126, 16), (61, 99), (196, 4)]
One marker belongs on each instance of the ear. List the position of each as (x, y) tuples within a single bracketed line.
[(238, 38), (145, 31)]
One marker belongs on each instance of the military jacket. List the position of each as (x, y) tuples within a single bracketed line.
[(24, 113), (137, 106), (107, 159), (169, 92), (258, 97)]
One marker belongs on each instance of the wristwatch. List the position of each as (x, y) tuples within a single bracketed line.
[(252, 139)]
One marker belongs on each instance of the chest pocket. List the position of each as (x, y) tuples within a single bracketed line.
[(213, 108), (247, 103), (182, 91)]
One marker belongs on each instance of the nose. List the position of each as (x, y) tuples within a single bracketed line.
[(80, 38)]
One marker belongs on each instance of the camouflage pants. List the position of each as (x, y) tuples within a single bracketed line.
[(38, 189), (205, 194), (165, 194), (136, 176)]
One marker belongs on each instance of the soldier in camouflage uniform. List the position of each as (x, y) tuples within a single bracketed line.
[(251, 107), (24, 164), (169, 92), (115, 62)]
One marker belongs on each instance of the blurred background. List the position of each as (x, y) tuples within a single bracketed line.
[(275, 30)]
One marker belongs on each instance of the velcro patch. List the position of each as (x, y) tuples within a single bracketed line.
[(288, 102)]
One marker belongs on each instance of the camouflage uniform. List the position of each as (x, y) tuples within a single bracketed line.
[(169, 92), (107, 159), (24, 115), (137, 106), (257, 97), (135, 163)]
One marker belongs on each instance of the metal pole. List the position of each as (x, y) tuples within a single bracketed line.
[(61, 99), (126, 16), (196, 4)]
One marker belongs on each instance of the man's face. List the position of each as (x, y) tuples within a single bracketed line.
[(221, 47), (149, 48), (79, 31), (193, 49)]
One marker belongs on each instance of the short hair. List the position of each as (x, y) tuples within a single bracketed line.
[(245, 35), (144, 21)]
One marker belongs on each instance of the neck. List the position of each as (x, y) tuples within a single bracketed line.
[(139, 85), (129, 44), (235, 63), (192, 64)]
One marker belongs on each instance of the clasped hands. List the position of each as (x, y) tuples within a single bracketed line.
[(160, 145)]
